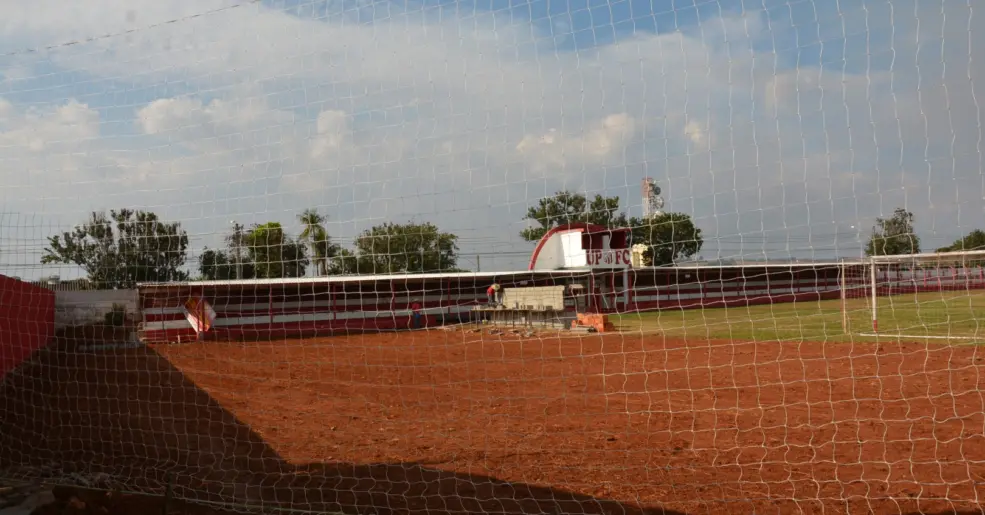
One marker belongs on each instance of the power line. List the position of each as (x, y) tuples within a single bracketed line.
[(110, 35)]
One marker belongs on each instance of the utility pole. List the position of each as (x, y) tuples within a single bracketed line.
[(237, 239), (478, 263)]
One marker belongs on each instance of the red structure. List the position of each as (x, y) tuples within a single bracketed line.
[(726, 286), (582, 245), (270, 309), (27, 321), (584, 258)]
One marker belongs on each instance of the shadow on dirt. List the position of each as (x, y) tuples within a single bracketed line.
[(129, 415)]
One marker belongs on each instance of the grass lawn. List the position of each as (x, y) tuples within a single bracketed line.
[(957, 315)]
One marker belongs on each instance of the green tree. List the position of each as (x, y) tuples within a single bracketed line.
[(220, 265), (318, 240), (237, 245), (974, 240), (347, 262), (669, 237), (565, 207), (400, 248), (123, 249), (893, 236), (274, 253)]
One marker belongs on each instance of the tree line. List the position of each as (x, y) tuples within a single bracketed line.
[(128, 246), (896, 236)]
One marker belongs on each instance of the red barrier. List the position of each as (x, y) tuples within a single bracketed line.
[(27, 321)]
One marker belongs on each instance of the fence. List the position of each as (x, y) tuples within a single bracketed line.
[(711, 287), (280, 404), (27, 321), (278, 309), (270, 309)]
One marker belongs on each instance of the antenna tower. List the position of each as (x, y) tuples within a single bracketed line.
[(652, 201)]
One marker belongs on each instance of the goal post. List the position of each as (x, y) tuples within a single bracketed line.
[(874, 295), (937, 295), (855, 288), (843, 290)]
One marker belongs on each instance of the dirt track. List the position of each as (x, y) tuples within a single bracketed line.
[(478, 423)]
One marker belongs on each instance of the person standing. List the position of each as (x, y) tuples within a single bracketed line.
[(415, 315), (492, 294)]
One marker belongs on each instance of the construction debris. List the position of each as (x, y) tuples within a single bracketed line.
[(596, 321), (583, 329)]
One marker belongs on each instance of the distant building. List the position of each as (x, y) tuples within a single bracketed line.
[(55, 283)]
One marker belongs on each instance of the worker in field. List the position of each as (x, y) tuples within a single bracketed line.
[(492, 294), (415, 315)]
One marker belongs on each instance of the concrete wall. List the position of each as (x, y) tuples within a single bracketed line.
[(536, 296), (86, 307), (27, 321)]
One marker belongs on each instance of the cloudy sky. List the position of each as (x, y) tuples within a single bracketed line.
[(783, 127)]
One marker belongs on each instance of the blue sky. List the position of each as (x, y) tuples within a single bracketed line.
[(783, 127)]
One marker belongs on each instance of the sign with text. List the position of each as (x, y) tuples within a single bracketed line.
[(609, 258), (199, 314)]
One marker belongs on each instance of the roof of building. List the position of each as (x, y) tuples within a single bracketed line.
[(569, 272), (578, 226), (362, 278)]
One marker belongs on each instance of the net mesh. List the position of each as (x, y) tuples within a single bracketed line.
[(928, 296), (493, 257)]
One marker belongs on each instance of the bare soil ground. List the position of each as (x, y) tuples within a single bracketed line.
[(458, 422)]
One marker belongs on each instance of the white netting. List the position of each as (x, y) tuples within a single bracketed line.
[(924, 297), (248, 253)]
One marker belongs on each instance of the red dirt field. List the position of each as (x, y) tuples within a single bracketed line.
[(450, 422)]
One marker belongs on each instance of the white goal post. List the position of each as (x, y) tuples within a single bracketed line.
[(927, 296)]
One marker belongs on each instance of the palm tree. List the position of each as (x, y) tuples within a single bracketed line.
[(316, 236)]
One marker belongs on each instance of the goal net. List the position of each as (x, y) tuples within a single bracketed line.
[(492, 257), (939, 296)]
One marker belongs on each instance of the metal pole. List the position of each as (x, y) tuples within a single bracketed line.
[(875, 322), (844, 299), (168, 493)]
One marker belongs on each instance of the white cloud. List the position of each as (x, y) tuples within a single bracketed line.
[(333, 134), (49, 152), (66, 128), (466, 120), (605, 139), (695, 132)]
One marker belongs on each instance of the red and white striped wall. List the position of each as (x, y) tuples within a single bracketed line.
[(308, 307), (711, 287)]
